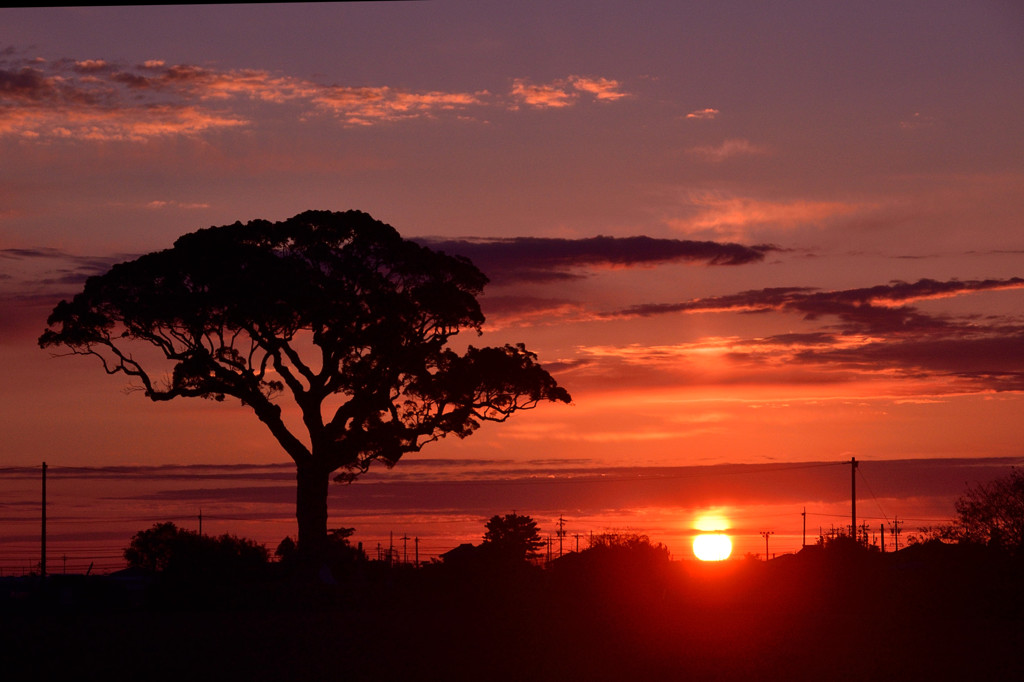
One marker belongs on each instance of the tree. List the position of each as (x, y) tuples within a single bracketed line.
[(339, 553), (637, 543), (183, 553), (993, 513), (513, 536), (332, 311)]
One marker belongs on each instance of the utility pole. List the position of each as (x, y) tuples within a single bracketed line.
[(561, 533), (405, 547), (803, 542), (896, 532), (417, 543), (882, 527), (200, 522), (577, 536), (853, 497), (42, 543), (765, 534)]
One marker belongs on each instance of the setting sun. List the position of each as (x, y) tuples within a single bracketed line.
[(712, 547)]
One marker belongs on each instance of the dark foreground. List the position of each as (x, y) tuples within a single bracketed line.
[(932, 614)]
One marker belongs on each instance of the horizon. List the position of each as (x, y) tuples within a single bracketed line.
[(664, 503), (776, 238)]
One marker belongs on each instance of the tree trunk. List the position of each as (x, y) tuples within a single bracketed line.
[(311, 510)]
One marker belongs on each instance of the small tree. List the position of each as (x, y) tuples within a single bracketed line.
[(286, 550), (513, 536), (333, 313), (993, 513)]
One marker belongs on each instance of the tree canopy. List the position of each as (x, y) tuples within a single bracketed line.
[(513, 536), (993, 513), (335, 312)]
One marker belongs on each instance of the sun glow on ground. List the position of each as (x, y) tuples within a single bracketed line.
[(712, 546)]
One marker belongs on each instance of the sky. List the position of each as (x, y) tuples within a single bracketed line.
[(739, 233)]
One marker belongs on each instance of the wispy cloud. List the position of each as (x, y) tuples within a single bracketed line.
[(703, 114), (863, 332), (814, 303), (728, 149), (508, 310), (158, 204), (99, 100), (732, 216), (554, 485), (36, 278), (53, 266)]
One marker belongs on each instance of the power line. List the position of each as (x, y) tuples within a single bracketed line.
[(873, 496)]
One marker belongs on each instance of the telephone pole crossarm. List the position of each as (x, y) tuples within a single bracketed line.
[(765, 534)]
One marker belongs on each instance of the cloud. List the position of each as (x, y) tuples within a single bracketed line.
[(158, 204), (990, 360), (863, 332), (813, 302), (97, 100), (730, 214), (366, 106), (50, 272), (728, 149), (37, 278), (168, 472), (104, 123), (25, 84), (556, 485), (100, 101), (552, 96), (704, 114), (62, 261), (565, 92), (504, 311), (604, 89), (540, 259)]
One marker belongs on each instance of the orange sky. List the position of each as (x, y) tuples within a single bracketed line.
[(735, 236), (93, 510)]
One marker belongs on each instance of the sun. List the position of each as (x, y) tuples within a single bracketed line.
[(712, 546)]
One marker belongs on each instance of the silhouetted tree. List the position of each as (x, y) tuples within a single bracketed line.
[(993, 514), (339, 553), (154, 549), (179, 552), (616, 568), (628, 542), (513, 536), (286, 549), (333, 310)]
